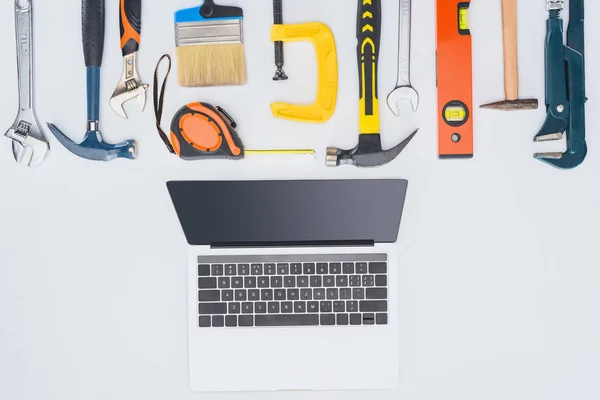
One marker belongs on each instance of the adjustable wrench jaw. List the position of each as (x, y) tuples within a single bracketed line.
[(29, 144), (129, 87)]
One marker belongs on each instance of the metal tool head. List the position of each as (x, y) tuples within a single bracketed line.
[(129, 87), (29, 144), (512, 105), (368, 153), (403, 93), (94, 147), (567, 160)]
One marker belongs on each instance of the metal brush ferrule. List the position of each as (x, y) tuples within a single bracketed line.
[(555, 5), (214, 32)]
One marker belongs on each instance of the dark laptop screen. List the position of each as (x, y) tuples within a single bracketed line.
[(289, 212)]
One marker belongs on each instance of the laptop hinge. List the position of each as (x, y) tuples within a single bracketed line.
[(353, 243)]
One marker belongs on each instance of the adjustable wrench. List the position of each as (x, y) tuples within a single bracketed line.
[(29, 143), (403, 90)]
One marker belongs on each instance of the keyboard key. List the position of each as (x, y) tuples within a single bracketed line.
[(316, 281), (341, 280), (373, 306), (352, 306), (369, 319), (368, 280), (380, 280), (270, 269), (293, 294), (355, 319), (339, 306), (227, 295), (217, 270), (230, 269), (332, 294), (246, 320), (377, 268), (342, 319), (355, 280), (322, 268), (266, 294), (319, 294), (243, 269), (283, 269), (325, 306), (361, 268), (237, 282), (207, 283), (250, 282), (203, 270), (240, 295), (306, 294), (381, 319), (312, 307), (296, 269), (299, 306), (253, 294), (263, 282), (309, 268), (335, 268), (224, 283), (358, 293), (279, 294), (234, 308), (377, 293), (276, 281), (345, 293), (231, 321), (247, 308), (289, 281), (287, 307), (273, 307), (327, 319), (256, 269), (218, 321), (303, 281), (212, 308), (287, 320), (348, 268), (209, 295), (260, 307), (329, 281), (204, 322)]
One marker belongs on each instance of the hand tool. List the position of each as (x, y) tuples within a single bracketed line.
[(455, 80), (369, 152), (511, 64), (210, 45), (322, 38), (29, 143), (279, 56), (93, 146), (403, 90), (130, 86), (565, 86)]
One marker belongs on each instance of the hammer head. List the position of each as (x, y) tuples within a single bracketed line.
[(513, 105), (94, 147), (368, 153)]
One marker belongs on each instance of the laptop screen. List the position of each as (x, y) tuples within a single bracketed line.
[(287, 213)]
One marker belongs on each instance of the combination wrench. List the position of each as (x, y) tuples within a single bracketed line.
[(29, 143), (403, 90)]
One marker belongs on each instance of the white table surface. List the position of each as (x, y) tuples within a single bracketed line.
[(499, 255)]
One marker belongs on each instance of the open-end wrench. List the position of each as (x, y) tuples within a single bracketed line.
[(403, 90), (29, 143)]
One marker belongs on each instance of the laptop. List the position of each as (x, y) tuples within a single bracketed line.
[(292, 284)]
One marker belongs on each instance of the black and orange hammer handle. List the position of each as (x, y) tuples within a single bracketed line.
[(130, 20)]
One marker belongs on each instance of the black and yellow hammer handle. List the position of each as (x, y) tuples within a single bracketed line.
[(369, 37)]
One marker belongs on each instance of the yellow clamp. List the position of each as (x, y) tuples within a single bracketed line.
[(322, 38)]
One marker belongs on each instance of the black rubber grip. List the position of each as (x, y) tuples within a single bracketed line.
[(368, 33), (130, 22), (92, 24)]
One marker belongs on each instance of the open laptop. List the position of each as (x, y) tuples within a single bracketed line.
[(292, 284)]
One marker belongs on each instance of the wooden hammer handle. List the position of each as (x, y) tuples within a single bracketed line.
[(511, 60)]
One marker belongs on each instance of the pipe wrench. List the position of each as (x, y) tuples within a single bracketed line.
[(565, 86)]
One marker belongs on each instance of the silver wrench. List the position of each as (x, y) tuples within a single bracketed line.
[(29, 143), (403, 90)]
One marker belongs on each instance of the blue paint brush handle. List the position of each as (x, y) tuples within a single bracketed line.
[(92, 24)]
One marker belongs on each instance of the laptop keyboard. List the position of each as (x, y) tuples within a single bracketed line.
[(308, 293)]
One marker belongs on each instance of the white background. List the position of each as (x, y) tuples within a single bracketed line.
[(499, 255)]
